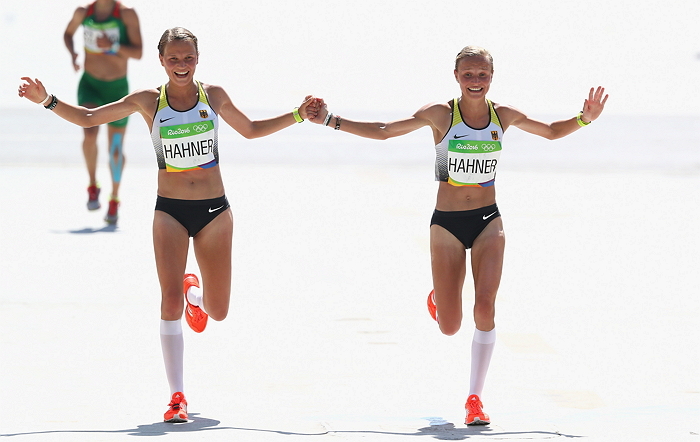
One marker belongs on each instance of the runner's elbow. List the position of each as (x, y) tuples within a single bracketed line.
[(86, 121), (553, 134), (248, 134), (382, 134)]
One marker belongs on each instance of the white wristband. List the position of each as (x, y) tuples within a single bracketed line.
[(46, 100), (327, 119)]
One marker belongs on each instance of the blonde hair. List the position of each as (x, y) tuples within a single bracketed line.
[(473, 51), (177, 33)]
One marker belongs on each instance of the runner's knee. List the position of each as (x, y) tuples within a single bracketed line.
[(91, 133), (217, 313), (449, 321), (484, 311), (449, 329), (171, 308), (216, 305)]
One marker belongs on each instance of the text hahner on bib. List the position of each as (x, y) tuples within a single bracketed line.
[(472, 163), (188, 146)]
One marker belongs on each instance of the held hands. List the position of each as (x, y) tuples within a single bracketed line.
[(594, 104), (310, 107), (32, 90), (321, 112)]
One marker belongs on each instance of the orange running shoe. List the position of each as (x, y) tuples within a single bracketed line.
[(112, 213), (196, 318), (432, 308), (475, 413), (93, 197), (177, 412)]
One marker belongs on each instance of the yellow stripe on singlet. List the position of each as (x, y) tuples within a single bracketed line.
[(202, 96), (162, 100), (457, 116), (494, 116)]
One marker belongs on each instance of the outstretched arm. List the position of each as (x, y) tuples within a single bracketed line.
[(592, 108), (223, 106), (428, 115), (34, 91)]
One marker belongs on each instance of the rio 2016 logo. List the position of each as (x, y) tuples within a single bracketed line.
[(179, 131), (199, 128), (485, 147)]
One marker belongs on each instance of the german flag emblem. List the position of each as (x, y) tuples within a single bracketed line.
[(204, 114), (494, 135)]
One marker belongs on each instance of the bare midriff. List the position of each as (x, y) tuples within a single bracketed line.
[(105, 67), (199, 184), (455, 198)]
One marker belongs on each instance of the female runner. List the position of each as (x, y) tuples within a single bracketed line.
[(183, 117), (467, 132), (112, 35)]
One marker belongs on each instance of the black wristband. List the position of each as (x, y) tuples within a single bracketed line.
[(337, 122), (52, 104)]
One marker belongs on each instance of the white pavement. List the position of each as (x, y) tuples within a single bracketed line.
[(328, 336)]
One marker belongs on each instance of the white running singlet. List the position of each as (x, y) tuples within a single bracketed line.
[(186, 140), (468, 156)]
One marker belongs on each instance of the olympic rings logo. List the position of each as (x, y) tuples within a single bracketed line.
[(489, 147), (199, 128)]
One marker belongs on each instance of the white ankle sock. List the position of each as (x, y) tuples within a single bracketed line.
[(173, 345), (194, 296), (482, 349)]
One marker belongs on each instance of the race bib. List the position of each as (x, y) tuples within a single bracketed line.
[(188, 146), (98, 30), (472, 163)]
